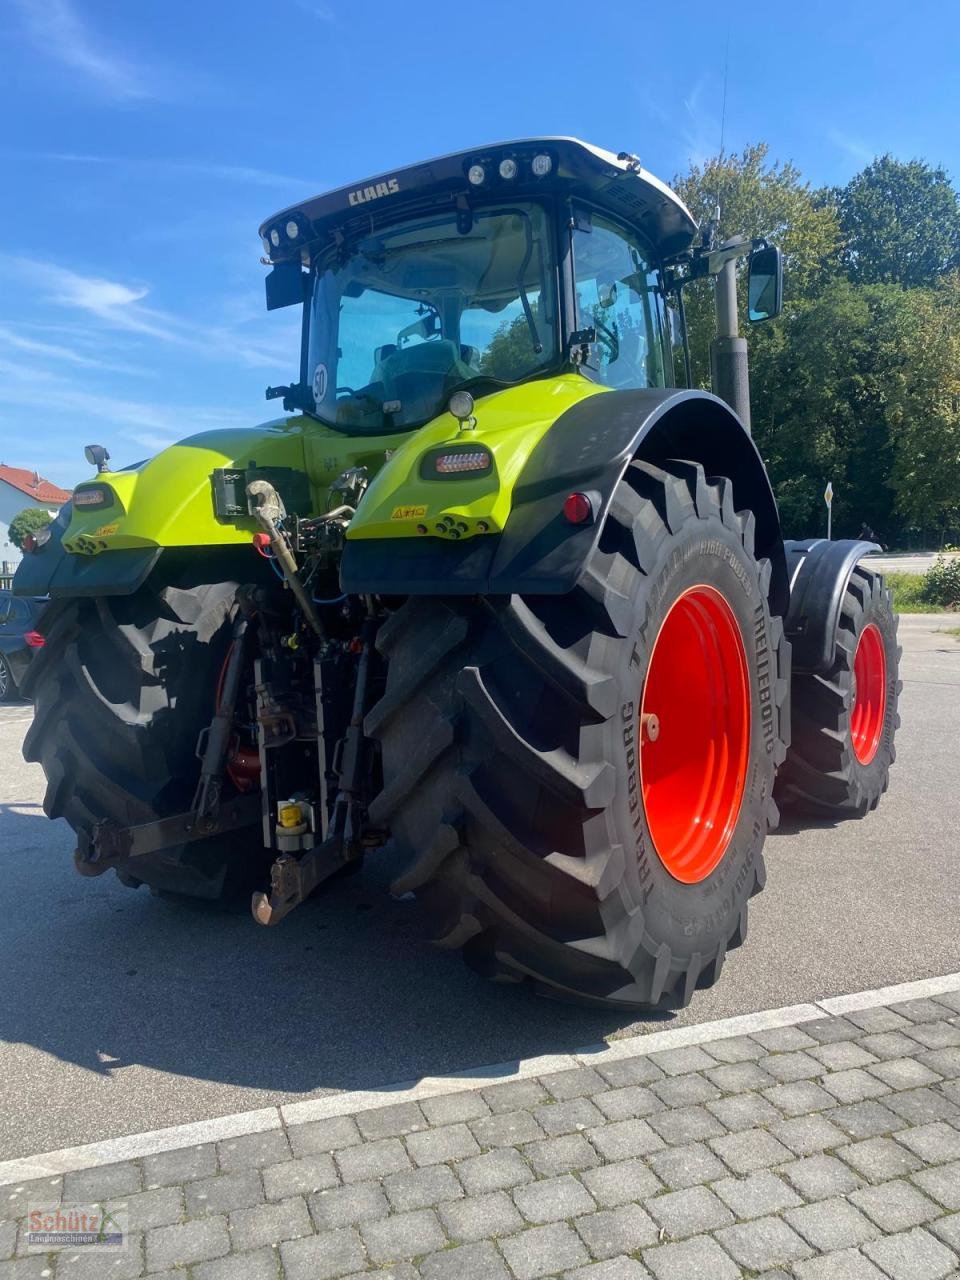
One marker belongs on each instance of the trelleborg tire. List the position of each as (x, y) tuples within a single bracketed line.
[(122, 688), (550, 838), (845, 720)]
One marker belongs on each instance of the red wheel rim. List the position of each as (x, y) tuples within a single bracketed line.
[(870, 693), (693, 772)]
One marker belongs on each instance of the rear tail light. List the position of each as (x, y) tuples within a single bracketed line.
[(456, 462), (448, 463), (34, 639), (92, 495)]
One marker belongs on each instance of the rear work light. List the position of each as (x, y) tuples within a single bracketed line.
[(456, 462), (92, 495), (34, 639)]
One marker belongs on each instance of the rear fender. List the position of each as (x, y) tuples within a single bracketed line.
[(820, 572), (588, 448)]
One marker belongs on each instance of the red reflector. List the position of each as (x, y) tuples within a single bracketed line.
[(34, 639), (29, 542), (578, 509)]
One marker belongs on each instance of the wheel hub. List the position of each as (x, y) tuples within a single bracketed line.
[(695, 734), (869, 694)]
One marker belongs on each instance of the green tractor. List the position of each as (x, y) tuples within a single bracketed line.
[(493, 589)]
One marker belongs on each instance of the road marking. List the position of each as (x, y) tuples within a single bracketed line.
[(133, 1146)]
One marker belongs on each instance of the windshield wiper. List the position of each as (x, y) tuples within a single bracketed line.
[(521, 288)]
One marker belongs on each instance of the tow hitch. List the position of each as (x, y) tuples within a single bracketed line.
[(294, 875)]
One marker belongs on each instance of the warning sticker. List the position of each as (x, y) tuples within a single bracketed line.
[(105, 530), (407, 513)]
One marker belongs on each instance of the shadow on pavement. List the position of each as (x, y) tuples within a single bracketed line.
[(342, 995)]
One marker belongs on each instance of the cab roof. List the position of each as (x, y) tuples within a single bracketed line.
[(613, 182)]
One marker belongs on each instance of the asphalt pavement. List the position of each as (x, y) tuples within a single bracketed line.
[(120, 1012)]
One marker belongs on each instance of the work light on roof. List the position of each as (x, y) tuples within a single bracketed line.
[(541, 165), (275, 238), (292, 230), (476, 174), (508, 168)]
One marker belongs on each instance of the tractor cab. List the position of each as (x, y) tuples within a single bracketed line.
[(476, 271)]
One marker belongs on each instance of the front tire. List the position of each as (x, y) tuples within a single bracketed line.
[(123, 687), (517, 779)]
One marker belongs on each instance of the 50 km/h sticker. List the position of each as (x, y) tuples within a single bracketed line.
[(407, 513)]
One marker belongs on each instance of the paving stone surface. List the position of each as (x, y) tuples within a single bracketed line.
[(829, 1150)]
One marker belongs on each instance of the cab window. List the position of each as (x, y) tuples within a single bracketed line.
[(619, 297)]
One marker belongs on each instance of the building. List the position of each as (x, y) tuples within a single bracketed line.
[(19, 489)]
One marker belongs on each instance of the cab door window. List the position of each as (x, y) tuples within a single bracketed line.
[(619, 297)]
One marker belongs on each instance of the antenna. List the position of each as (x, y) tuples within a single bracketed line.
[(723, 116)]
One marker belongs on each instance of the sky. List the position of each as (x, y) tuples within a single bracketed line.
[(145, 141)]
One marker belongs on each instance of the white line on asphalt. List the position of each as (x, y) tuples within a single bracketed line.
[(133, 1146)]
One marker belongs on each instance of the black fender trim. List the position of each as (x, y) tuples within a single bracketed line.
[(51, 571), (819, 574), (588, 448)]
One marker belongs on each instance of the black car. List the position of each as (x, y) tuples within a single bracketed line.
[(19, 639)]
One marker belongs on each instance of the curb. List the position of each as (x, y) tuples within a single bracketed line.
[(133, 1146)]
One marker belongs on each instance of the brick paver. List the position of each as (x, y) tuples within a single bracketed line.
[(824, 1151)]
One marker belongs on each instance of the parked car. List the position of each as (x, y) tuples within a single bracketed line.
[(19, 639)]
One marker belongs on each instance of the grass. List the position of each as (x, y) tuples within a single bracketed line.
[(906, 593), (949, 631)]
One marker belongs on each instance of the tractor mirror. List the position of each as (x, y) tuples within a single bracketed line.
[(765, 288), (284, 285)]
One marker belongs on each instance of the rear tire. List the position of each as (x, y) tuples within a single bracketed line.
[(123, 687), (510, 741), (839, 760)]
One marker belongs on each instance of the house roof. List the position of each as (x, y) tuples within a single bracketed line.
[(33, 485)]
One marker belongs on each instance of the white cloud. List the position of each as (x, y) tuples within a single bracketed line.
[(57, 31), (244, 175), (60, 353), (854, 148), (120, 307)]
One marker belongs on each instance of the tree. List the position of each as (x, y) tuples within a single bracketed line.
[(758, 197), (900, 223), (27, 521)]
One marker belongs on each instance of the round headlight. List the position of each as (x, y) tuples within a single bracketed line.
[(508, 168), (476, 174), (275, 238), (292, 230), (541, 166), (460, 405)]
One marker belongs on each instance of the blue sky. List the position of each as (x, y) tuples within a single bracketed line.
[(145, 140)]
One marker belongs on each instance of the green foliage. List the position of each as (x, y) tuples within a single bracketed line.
[(858, 382), (941, 583), (900, 223), (906, 589), (757, 197), (27, 521)]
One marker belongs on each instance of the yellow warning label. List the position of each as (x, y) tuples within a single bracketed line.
[(407, 513), (105, 530)]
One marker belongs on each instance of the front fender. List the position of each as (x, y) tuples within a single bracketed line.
[(819, 573)]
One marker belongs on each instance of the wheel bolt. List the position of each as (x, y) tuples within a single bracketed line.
[(650, 727)]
